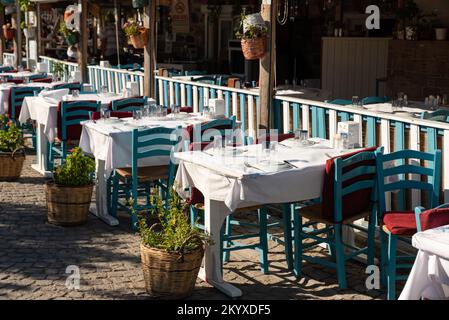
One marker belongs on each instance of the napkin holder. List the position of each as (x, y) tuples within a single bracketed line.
[(133, 88), (217, 107), (352, 130)]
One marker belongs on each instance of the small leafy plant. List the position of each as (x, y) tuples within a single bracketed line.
[(78, 170), (132, 28), (250, 31), (174, 231), (11, 139)]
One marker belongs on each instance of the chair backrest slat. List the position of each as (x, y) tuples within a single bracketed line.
[(17, 94), (128, 104)]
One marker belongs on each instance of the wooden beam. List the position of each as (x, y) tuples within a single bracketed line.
[(39, 45), (15, 21), (83, 41), (150, 49), (267, 76), (2, 37)]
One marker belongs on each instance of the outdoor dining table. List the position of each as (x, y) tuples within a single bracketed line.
[(109, 141), (20, 74), (429, 277), (231, 180), (44, 112)]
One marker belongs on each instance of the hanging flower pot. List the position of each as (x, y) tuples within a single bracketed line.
[(140, 41), (8, 32), (72, 38), (254, 49), (139, 3)]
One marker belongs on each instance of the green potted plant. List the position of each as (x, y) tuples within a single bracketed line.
[(171, 250), (71, 37), (253, 35), (12, 152), (137, 4), (70, 193), (138, 34), (57, 70)]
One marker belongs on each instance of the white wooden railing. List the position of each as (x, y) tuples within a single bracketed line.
[(68, 67), (393, 132), (114, 79)]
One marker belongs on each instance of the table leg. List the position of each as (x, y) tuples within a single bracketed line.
[(215, 214), (41, 152), (101, 206)]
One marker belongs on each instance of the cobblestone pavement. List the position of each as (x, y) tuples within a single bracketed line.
[(34, 256)]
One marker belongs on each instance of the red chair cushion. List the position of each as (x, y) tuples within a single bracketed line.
[(117, 114), (183, 109), (353, 203), (16, 81), (190, 130), (73, 131), (43, 80), (401, 223), (434, 218), (281, 137)]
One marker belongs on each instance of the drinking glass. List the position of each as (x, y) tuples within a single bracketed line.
[(163, 111), (146, 111), (105, 113), (175, 110), (274, 147), (137, 114), (75, 93), (355, 101), (303, 136), (104, 90), (206, 111)]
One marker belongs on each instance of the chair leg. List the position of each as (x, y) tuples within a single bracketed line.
[(227, 233), (115, 191), (340, 256), (371, 239), (263, 238), (50, 160), (297, 239), (193, 216), (391, 293), (287, 235), (383, 257), (331, 244)]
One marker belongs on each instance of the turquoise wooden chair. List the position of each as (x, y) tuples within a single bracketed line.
[(70, 116), (16, 97), (374, 100), (37, 76), (71, 86), (205, 79), (195, 73), (438, 115), (4, 69), (341, 102), (137, 181), (399, 224), (349, 194), (205, 132), (128, 104)]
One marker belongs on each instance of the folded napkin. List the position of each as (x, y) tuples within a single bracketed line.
[(54, 94)]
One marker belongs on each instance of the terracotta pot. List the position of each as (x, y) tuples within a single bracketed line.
[(141, 40)]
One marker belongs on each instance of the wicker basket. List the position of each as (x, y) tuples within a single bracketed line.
[(254, 49), (140, 41), (68, 206), (11, 166), (170, 275)]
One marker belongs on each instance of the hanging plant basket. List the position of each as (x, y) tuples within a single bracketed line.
[(170, 275), (72, 39), (8, 33), (141, 40), (254, 49), (11, 165), (139, 3)]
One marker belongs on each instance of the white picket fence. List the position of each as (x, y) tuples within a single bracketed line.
[(114, 79), (68, 67)]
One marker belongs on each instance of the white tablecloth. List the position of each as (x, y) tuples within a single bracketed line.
[(429, 277), (43, 111), (239, 185), (19, 75)]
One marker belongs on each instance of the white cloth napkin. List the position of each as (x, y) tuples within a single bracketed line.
[(55, 94)]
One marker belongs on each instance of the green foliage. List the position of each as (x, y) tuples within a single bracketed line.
[(132, 28), (252, 31), (24, 5), (11, 139), (77, 170), (58, 69), (409, 13), (175, 232)]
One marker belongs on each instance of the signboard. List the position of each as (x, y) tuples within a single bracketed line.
[(180, 16)]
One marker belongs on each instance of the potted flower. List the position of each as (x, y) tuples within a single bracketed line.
[(8, 32), (171, 250), (253, 34), (70, 193), (71, 37), (12, 153), (136, 33)]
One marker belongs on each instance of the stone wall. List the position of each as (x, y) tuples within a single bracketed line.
[(418, 68)]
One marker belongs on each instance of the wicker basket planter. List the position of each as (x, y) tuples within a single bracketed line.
[(11, 165), (170, 275), (254, 49), (68, 206), (141, 40)]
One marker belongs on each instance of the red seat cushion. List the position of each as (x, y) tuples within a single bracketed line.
[(434, 218), (16, 81), (354, 203), (281, 137), (73, 131), (43, 80), (401, 223), (117, 114), (183, 109)]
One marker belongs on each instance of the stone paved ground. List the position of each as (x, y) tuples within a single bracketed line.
[(34, 256)]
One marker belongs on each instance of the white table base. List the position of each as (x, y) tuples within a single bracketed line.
[(41, 152)]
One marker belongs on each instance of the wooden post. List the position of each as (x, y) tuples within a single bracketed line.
[(39, 46), (2, 38), (16, 20), (150, 50), (267, 76), (82, 61)]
